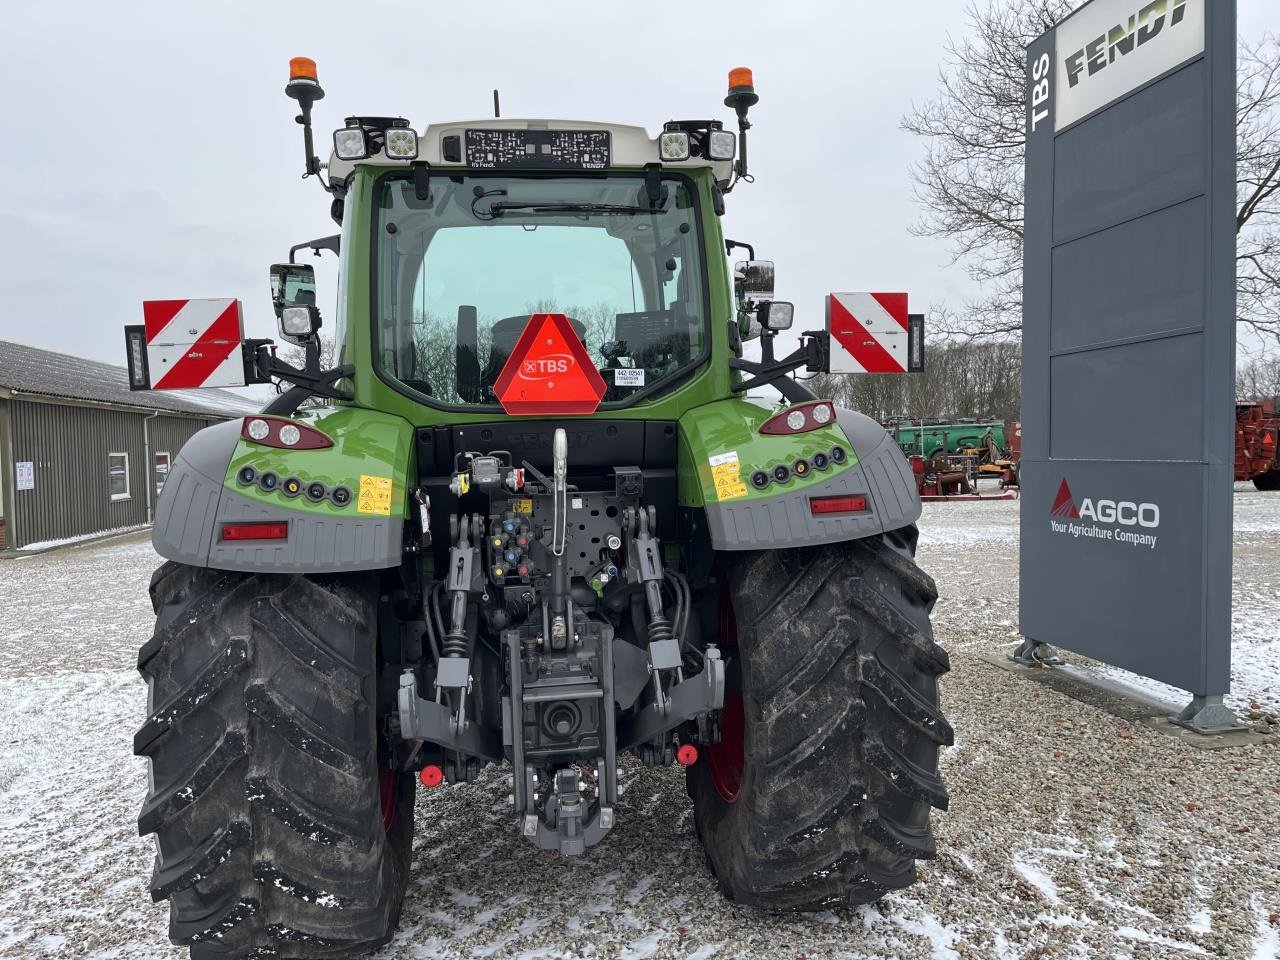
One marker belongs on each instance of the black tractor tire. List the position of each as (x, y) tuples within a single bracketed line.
[(1268, 482), (837, 730), (278, 831)]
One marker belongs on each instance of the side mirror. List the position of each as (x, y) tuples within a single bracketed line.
[(776, 315), (753, 280), (292, 285)]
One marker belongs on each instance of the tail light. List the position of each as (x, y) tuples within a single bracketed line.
[(800, 418), (270, 530), (824, 506), (284, 434)]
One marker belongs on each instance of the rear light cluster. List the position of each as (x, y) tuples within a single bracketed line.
[(800, 468), (284, 434), (800, 418)]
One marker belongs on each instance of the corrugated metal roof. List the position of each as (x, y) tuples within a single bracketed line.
[(31, 370)]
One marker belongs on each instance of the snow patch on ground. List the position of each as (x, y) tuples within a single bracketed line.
[(82, 538), (1070, 831)]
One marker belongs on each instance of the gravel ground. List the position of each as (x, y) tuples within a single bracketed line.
[(1072, 833)]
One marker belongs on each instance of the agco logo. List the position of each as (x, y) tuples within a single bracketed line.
[(551, 365), (1068, 517), (1126, 513), (1122, 39)]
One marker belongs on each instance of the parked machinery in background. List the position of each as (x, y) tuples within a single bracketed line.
[(1257, 433), (1010, 473), (927, 437), (949, 457)]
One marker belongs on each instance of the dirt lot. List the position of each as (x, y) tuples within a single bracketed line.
[(1072, 833)]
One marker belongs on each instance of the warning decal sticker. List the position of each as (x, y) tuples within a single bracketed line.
[(726, 474), (375, 495)]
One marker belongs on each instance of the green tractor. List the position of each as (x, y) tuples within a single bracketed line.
[(529, 518)]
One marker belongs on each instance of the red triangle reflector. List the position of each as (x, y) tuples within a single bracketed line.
[(549, 371)]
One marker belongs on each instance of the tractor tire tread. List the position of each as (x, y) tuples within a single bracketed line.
[(840, 684), (265, 796)]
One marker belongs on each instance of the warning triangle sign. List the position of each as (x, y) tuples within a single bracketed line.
[(549, 371)]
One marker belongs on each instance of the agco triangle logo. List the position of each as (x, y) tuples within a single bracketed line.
[(1064, 505)]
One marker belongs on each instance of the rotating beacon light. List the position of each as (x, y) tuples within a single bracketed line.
[(304, 86), (742, 97)]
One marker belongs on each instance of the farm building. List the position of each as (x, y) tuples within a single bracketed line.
[(81, 454)]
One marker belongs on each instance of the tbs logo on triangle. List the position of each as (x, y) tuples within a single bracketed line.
[(1126, 513)]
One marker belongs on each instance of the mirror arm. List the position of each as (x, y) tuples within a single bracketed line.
[(287, 402), (319, 244), (812, 354), (310, 381), (766, 345)]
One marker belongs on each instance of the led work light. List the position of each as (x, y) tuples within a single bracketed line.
[(349, 143), (401, 143), (722, 144), (297, 321), (674, 145)]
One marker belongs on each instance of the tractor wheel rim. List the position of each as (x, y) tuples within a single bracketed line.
[(388, 795), (727, 759)]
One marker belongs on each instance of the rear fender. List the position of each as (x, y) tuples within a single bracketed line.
[(721, 449), (370, 458)]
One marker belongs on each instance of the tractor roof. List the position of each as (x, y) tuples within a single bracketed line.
[(630, 146)]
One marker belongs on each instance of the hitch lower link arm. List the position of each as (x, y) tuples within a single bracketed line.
[(453, 674), (644, 553), (435, 720)]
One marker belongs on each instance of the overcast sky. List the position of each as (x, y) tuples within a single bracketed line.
[(151, 153)]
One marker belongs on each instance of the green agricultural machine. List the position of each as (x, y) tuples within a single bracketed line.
[(530, 517), (934, 438)]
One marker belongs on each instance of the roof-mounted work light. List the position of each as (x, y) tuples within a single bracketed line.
[(304, 86), (401, 143), (364, 137), (674, 145), (721, 145), (350, 143)]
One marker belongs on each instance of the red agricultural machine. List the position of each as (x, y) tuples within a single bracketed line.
[(1257, 434), (950, 457)]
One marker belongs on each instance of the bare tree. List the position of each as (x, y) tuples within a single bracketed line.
[(971, 380), (1258, 173), (970, 180), (1258, 380), (298, 356)]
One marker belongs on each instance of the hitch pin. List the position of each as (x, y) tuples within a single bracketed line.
[(559, 493)]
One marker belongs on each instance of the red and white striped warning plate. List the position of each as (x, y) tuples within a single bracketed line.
[(194, 343), (868, 332)]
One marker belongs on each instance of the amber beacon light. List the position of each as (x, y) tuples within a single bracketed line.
[(304, 68), (742, 97), (304, 86)]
